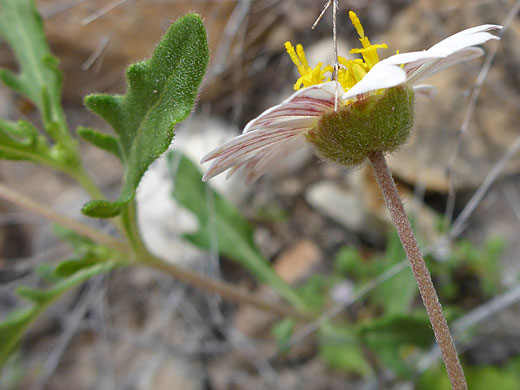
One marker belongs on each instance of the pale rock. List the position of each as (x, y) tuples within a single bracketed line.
[(359, 206), (341, 204), (162, 220)]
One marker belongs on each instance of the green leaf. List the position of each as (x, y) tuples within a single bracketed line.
[(283, 331), (233, 233), (396, 294), (387, 336), (314, 291), (21, 141), (478, 377), (340, 348), (102, 141), (13, 327), (39, 79), (161, 93), (348, 262)]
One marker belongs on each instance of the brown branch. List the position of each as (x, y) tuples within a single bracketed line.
[(25, 202), (420, 271), (225, 290)]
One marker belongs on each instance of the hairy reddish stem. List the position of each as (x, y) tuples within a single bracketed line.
[(420, 271)]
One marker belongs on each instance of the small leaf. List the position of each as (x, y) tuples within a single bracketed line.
[(16, 323), (102, 141), (396, 294), (233, 233), (69, 267), (339, 347), (20, 141), (161, 93), (387, 335), (283, 331)]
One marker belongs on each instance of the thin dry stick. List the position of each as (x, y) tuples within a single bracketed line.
[(420, 271), (25, 202), (335, 7), (450, 205), (225, 290)]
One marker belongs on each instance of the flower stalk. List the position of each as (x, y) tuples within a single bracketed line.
[(420, 271)]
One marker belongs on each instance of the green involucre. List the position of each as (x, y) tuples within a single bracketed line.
[(161, 93), (380, 123)]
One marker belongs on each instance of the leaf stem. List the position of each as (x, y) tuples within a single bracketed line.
[(85, 180), (225, 290), (420, 271)]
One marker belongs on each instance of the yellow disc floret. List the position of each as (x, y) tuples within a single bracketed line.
[(309, 76), (350, 72), (369, 51)]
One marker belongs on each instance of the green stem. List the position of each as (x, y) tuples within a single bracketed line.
[(83, 178), (131, 228)]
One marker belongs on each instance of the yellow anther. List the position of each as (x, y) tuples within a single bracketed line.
[(350, 72), (301, 55), (294, 57), (309, 76), (357, 24)]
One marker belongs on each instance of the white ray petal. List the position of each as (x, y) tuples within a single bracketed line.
[(425, 90), (429, 68), (464, 34), (450, 46), (412, 57), (382, 75)]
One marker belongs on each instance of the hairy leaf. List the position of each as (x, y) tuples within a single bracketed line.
[(101, 140), (161, 93), (231, 231)]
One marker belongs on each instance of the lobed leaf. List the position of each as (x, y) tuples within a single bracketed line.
[(161, 93)]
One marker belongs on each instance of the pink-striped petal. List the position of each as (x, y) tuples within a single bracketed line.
[(268, 135), (308, 102), (264, 162)]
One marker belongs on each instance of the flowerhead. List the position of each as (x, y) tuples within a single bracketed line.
[(367, 108)]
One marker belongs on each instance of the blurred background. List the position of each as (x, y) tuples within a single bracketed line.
[(324, 228)]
